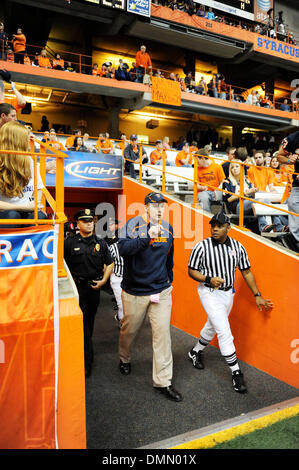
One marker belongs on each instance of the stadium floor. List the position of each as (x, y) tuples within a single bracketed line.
[(124, 412)]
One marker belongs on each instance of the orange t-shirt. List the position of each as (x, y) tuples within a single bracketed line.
[(260, 177), (70, 141), (27, 60), (58, 62), (157, 155), (14, 102), (122, 145), (211, 176), (181, 156), (57, 145), (104, 145), (280, 176), (19, 43), (143, 60), (289, 172), (44, 62)]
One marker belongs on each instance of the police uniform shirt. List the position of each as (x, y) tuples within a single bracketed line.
[(290, 144), (216, 259), (86, 257)]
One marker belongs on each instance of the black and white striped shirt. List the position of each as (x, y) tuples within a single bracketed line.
[(118, 260), (219, 259)]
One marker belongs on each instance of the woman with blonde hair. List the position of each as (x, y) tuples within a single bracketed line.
[(233, 185), (17, 176)]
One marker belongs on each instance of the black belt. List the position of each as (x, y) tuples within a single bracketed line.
[(80, 281), (225, 289)]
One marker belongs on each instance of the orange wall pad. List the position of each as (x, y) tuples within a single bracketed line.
[(27, 368), (264, 340), (71, 379)]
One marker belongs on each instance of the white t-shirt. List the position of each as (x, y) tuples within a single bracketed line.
[(28, 191)]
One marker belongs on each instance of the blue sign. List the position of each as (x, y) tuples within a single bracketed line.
[(26, 249), (90, 170), (139, 7)]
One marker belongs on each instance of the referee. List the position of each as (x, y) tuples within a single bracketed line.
[(117, 274), (213, 263)]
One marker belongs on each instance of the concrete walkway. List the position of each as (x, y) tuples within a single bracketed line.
[(124, 412)]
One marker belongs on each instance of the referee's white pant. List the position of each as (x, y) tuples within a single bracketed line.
[(217, 305), (115, 282)]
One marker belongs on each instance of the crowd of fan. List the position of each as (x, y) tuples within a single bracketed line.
[(140, 71), (268, 28)]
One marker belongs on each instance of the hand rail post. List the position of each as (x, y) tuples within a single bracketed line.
[(241, 200), (140, 164), (195, 182), (163, 171)]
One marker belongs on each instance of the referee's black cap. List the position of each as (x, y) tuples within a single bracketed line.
[(221, 218)]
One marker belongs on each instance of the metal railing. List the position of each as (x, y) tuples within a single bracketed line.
[(82, 63), (57, 204), (195, 182)]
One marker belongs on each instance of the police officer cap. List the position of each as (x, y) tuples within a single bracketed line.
[(84, 214), (154, 197), (221, 218)]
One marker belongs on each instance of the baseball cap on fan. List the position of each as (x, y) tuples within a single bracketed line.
[(154, 197)]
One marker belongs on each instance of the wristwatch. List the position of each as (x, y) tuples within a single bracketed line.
[(258, 294)]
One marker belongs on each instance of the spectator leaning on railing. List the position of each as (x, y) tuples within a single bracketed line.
[(4, 38), (17, 171), (19, 46), (143, 62)]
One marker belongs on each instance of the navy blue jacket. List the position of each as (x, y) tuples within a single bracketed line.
[(148, 263)]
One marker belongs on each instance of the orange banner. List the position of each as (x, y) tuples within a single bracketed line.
[(29, 338), (166, 91)]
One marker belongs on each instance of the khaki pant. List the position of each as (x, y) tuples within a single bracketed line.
[(135, 310)]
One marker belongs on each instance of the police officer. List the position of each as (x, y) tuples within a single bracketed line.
[(91, 265)]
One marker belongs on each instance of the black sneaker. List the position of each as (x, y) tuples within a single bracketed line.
[(125, 367), (196, 359), (238, 382)]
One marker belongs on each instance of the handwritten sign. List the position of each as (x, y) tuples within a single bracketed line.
[(166, 91)]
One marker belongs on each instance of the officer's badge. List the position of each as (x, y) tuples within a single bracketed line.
[(87, 211), (98, 247)]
